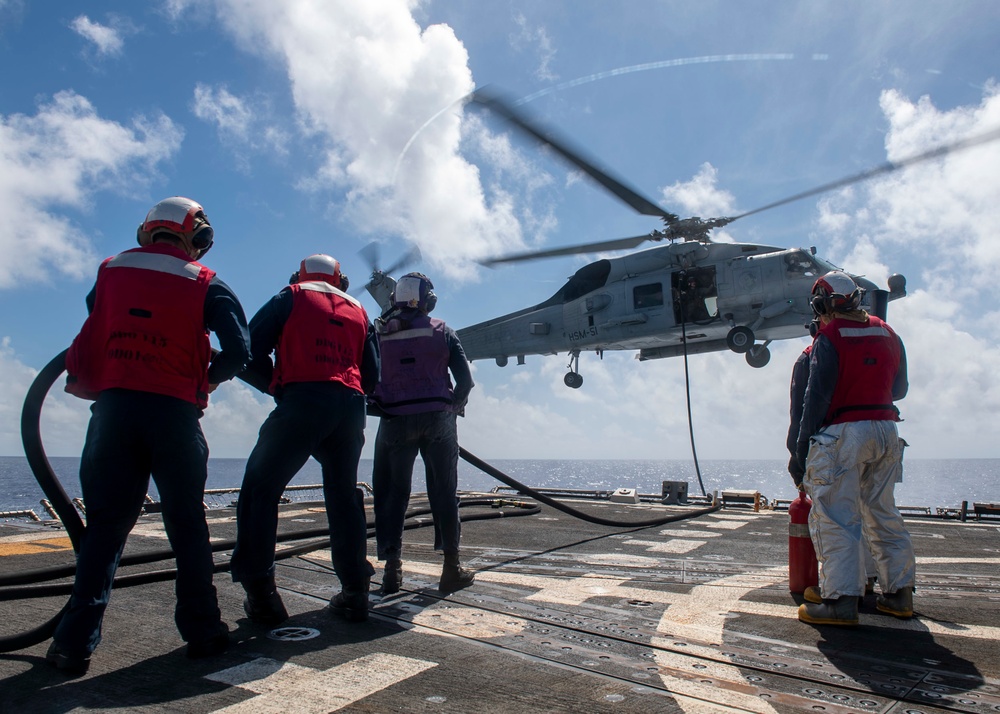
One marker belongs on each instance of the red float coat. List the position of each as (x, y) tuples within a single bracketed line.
[(323, 338), (147, 329), (868, 359)]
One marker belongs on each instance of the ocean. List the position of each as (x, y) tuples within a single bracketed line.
[(926, 482)]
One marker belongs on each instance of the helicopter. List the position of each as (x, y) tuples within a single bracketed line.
[(691, 295)]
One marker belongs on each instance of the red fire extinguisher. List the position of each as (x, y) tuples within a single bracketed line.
[(802, 567)]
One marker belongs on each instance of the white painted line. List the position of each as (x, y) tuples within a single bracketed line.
[(285, 688), (682, 533), (676, 545), (727, 525)]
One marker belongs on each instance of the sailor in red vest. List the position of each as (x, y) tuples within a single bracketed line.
[(852, 457), (326, 361), (797, 393), (419, 408), (144, 356)]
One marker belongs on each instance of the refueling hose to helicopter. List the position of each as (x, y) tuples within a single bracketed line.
[(75, 528), (687, 390)]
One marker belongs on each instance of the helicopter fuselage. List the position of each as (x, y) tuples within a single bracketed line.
[(692, 296)]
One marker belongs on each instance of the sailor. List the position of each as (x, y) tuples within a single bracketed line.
[(851, 455), (326, 361), (419, 407), (144, 356), (797, 392)]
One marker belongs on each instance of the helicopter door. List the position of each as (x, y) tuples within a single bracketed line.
[(696, 295)]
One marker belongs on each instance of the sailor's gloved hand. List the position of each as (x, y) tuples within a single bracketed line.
[(796, 471)]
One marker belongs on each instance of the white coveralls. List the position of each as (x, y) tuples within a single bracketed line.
[(851, 471)]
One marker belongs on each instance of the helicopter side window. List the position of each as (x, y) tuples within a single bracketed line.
[(646, 296)]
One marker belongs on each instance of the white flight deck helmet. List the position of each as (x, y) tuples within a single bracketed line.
[(414, 291), (835, 292), (180, 217), (320, 267)]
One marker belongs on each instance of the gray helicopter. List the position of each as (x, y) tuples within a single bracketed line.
[(689, 296)]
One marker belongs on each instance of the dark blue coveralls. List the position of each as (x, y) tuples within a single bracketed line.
[(325, 420), (131, 435)]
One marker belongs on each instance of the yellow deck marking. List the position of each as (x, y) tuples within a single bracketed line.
[(33, 547)]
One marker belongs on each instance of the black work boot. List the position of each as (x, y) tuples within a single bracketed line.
[(263, 604), (842, 611), (351, 603), (453, 575), (898, 604), (392, 576), (74, 664)]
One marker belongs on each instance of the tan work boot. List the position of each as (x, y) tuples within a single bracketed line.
[(842, 611), (812, 594), (898, 604)]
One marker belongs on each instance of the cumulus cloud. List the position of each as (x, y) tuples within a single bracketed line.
[(106, 40), (239, 120), (64, 418), (364, 78), (57, 160)]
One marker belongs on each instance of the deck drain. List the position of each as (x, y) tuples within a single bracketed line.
[(292, 634)]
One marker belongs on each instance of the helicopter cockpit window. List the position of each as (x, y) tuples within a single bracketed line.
[(585, 280), (801, 263), (646, 296), (695, 295)]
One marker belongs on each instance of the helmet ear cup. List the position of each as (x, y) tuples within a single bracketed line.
[(142, 237), (818, 303), (203, 237), (430, 301)]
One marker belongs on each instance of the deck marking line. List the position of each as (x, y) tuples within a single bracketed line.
[(675, 545), (727, 525), (46, 545), (316, 691), (683, 533)]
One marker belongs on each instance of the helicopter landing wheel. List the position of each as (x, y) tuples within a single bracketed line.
[(758, 356), (573, 380), (740, 339)]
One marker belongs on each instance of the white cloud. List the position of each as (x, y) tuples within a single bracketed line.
[(701, 195), (63, 418), (57, 160), (107, 40), (538, 39), (364, 77), (239, 120)]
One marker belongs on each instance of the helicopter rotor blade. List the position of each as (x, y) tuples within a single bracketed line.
[(371, 255), (886, 168), (411, 256), (492, 100), (618, 244)]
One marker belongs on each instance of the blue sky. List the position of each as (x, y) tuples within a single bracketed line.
[(310, 126)]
